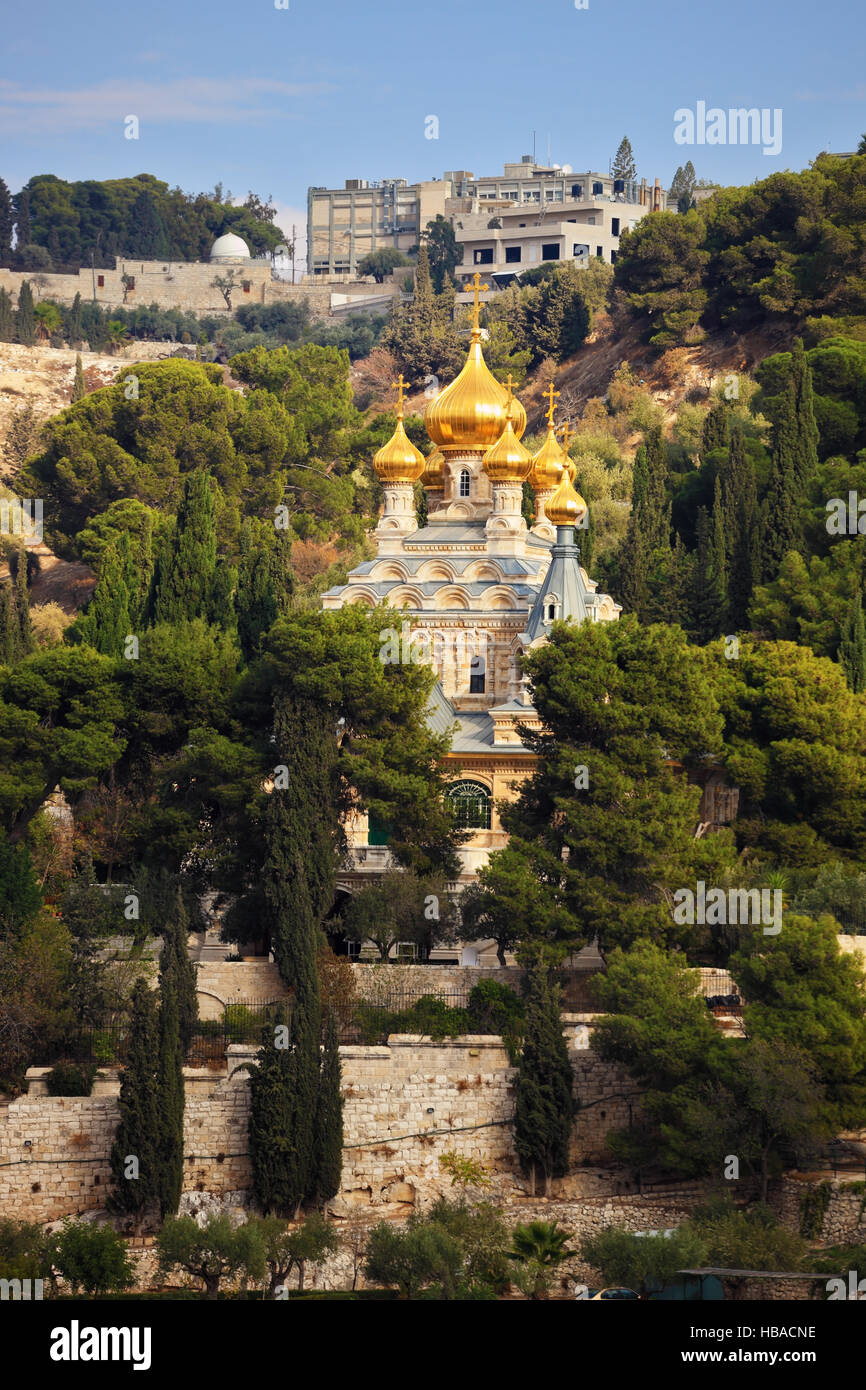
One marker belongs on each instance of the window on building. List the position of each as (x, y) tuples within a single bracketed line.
[(378, 833), (246, 286), (551, 610), (577, 190), (550, 250), (100, 280), (471, 802), (614, 226), (599, 251), (477, 676), (512, 254), (130, 282), (483, 255), (597, 188), (465, 481)]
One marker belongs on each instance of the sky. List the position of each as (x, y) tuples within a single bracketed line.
[(275, 95)]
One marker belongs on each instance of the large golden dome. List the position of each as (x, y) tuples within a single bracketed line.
[(471, 413), (566, 507), (399, 461), (507, 461)]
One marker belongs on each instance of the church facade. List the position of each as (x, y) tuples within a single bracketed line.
[(475, 585)]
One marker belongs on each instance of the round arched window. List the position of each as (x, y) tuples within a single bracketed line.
[(465, 480), (471, 801)]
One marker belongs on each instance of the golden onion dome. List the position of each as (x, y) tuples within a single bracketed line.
[(399, 461), (566, 507), (547, 464), (433, 475), (507, 461), (470, 414)]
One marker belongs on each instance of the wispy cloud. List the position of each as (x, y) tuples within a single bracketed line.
[(30, 110)]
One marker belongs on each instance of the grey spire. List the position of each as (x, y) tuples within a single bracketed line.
[(563, 594)]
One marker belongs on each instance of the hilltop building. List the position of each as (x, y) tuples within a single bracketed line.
[(476, 585), (535, 205)]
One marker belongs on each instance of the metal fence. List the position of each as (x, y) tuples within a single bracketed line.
[(106, 1043)]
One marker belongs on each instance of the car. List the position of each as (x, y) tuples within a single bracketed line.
[(613, 1293)]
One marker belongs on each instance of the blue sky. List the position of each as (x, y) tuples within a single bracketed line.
[(275, 99)]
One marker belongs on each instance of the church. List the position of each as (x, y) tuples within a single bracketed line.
[(477, 586)]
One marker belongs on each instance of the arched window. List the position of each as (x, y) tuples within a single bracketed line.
[(551, 609), (471, 803), (465, 478), (477, 671)]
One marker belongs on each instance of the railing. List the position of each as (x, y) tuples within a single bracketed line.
[(106, 1043)]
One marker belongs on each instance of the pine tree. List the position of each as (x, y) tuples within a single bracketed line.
[(682, 188), (75, 326), (79, 390), (328, 1162), (7, 222), (782, 529), (852, 648), (185, 585), (742, 527), (544, 1105), (23, 229), (170, 1100), (624, 166), (136, 1135), (25, 319), (7, 318), (174, 961)]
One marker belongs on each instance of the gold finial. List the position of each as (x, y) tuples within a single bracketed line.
[(477, 290), (566, 437), (402, 389), (550, 393)]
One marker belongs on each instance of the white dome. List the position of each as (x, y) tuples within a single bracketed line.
[(229, 248)]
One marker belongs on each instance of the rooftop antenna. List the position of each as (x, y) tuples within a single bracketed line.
[(533, 147)]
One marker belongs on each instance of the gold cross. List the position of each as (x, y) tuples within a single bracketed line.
[(509, 385), (566, 437), (402, 388), (477, 290), (550, 393)]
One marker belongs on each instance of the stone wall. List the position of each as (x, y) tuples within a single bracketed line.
[(405, 1105), (844, 1220), (222, 982)]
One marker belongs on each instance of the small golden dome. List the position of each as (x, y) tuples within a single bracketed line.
[(507, 461), (433, 475), (399, 461), (470, 414), (547, 464), (566, 507)]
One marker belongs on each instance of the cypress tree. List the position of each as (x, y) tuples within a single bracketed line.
[(423, 303), (783, 526), (852, 648), (7, 222), (9, 632), (75, 326), (137, 1133), (715, 431), (654, 505), (806, 461), (25, 319), (328, 1163), (26, 642), (170, 1102), (280, 1144), (7, 318), (544, 1104), (79, 390), (146, 236), (23, 229), (186, 582), (106, 624), (742, 524), (264, 584), (174, 961), (709, 593)]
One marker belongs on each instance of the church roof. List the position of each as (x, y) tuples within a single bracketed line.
[(563, 584)]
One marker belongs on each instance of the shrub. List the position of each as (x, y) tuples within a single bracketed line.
[(70, 1079), (92, 1258)]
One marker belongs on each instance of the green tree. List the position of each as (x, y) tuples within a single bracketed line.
[(751, 1239), (852, 648), (174, 963), (23, 226), (79, 390), (682, 189), (440, 241), (328, 1157), (213, 1252), (265, 583), (137, 1190), (295, 1248), (20, 895), (7, 221), (25, 319), (742, 527), (185, 584), (642, 1263), (539, 1248), (660, 268), (624, 166), (146, 236), (7, 318), (422, 1256), (170, 1099), (74, 328), (709, 599), (544, 1106), (106, 623), (380, 263), (283, 1094), (400, 906), (92, 1258)]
